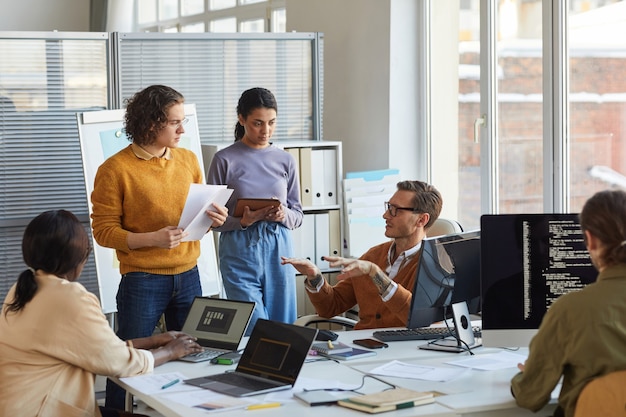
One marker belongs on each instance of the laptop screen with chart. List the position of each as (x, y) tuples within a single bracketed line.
[(218, 324)]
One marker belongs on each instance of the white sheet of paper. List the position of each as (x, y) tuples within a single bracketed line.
[(491, 362), (412, 371), (199, 199)]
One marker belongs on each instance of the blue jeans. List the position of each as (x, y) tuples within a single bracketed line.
[(141, 300), (251, 271)]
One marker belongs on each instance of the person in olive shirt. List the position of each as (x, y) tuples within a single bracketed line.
[(583, 334)]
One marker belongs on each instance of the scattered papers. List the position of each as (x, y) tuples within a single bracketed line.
[(491, 362), (209, 401), (194, 219), (152, 383), (407, 370)]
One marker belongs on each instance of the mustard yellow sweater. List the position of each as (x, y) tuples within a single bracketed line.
[(136, 195)]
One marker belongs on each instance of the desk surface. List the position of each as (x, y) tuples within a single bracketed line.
[(474, 393)]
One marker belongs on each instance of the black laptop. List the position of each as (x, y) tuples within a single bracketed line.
[(270, 362), (218, 324)]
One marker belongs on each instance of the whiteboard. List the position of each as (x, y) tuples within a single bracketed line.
[(102, 135)]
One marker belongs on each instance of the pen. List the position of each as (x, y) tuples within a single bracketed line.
[(261, 406), (171, 383)]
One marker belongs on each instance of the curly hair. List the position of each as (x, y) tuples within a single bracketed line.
[(146, 112)]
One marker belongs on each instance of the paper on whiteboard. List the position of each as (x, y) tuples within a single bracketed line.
[(194, 220)]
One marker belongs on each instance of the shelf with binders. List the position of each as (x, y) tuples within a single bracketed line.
[(319, 165)]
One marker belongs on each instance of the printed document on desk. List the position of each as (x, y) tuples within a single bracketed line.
[(492, 361), (413, 371), (194, 219)]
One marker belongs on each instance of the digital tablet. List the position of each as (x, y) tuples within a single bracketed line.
[(254, 204)]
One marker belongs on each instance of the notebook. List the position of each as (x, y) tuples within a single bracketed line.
[(270, 362), (218, 324)]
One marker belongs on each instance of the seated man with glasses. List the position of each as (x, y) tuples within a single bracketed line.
[(381, 280)]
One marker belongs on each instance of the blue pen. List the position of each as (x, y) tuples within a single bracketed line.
[(171, 383)]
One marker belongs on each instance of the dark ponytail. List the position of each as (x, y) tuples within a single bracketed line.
[(54, 242), (250, 100)]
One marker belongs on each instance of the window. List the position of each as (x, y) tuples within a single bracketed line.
[(222, 16)]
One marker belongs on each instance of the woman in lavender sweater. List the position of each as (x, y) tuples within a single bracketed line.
[(250, 246)]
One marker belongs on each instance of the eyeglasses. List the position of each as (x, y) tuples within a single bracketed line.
[(177, 123), (393, 209)]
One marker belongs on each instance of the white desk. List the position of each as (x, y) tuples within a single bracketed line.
[(476, 393)]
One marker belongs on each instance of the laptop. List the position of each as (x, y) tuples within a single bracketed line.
[(218, 324), (270, 362)]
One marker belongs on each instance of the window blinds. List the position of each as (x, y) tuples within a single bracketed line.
[(47, 78), (212, 70)]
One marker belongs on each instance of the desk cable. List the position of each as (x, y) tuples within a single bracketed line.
[(454, 334), (355, 390)]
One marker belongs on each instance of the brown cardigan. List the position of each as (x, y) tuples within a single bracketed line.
[(373, 311)]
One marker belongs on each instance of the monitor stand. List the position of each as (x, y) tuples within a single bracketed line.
[(465, 335)]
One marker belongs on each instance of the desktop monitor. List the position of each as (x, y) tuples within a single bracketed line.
[(527, 262), (448, 273)]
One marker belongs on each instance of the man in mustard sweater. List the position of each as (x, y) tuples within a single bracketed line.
[(138, 198), (381, 280)]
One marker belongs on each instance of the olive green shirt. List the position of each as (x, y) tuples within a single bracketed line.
[(583, 336)]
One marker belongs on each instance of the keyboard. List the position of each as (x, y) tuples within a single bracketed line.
[(422, 333), (205, 355)]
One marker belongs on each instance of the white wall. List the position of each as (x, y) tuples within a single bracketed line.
[(38, 15), (356, 74)]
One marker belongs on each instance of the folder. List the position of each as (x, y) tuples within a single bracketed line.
[(364, 196)]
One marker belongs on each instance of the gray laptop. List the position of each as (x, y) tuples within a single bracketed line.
[(218, 324), (270, 362)]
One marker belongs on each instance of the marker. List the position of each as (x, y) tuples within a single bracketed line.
[(171, 383), (262, 406)]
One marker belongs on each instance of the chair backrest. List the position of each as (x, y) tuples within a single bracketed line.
[(604, 396), (313, 320), (443, 227)]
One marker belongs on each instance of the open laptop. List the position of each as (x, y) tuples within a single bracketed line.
[(270, 362), (218, 324)]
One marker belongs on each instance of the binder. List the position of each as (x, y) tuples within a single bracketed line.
[(304, 238), (329, 196), (322, 241), (334, 233), (306, 177), (317, 177)]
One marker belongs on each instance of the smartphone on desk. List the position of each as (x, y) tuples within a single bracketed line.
[(370, 343)]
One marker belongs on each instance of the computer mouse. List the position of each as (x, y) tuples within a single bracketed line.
[(325, 335)]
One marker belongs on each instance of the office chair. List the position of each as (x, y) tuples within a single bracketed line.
[(443, 227), (604, 396), (313, 320)]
